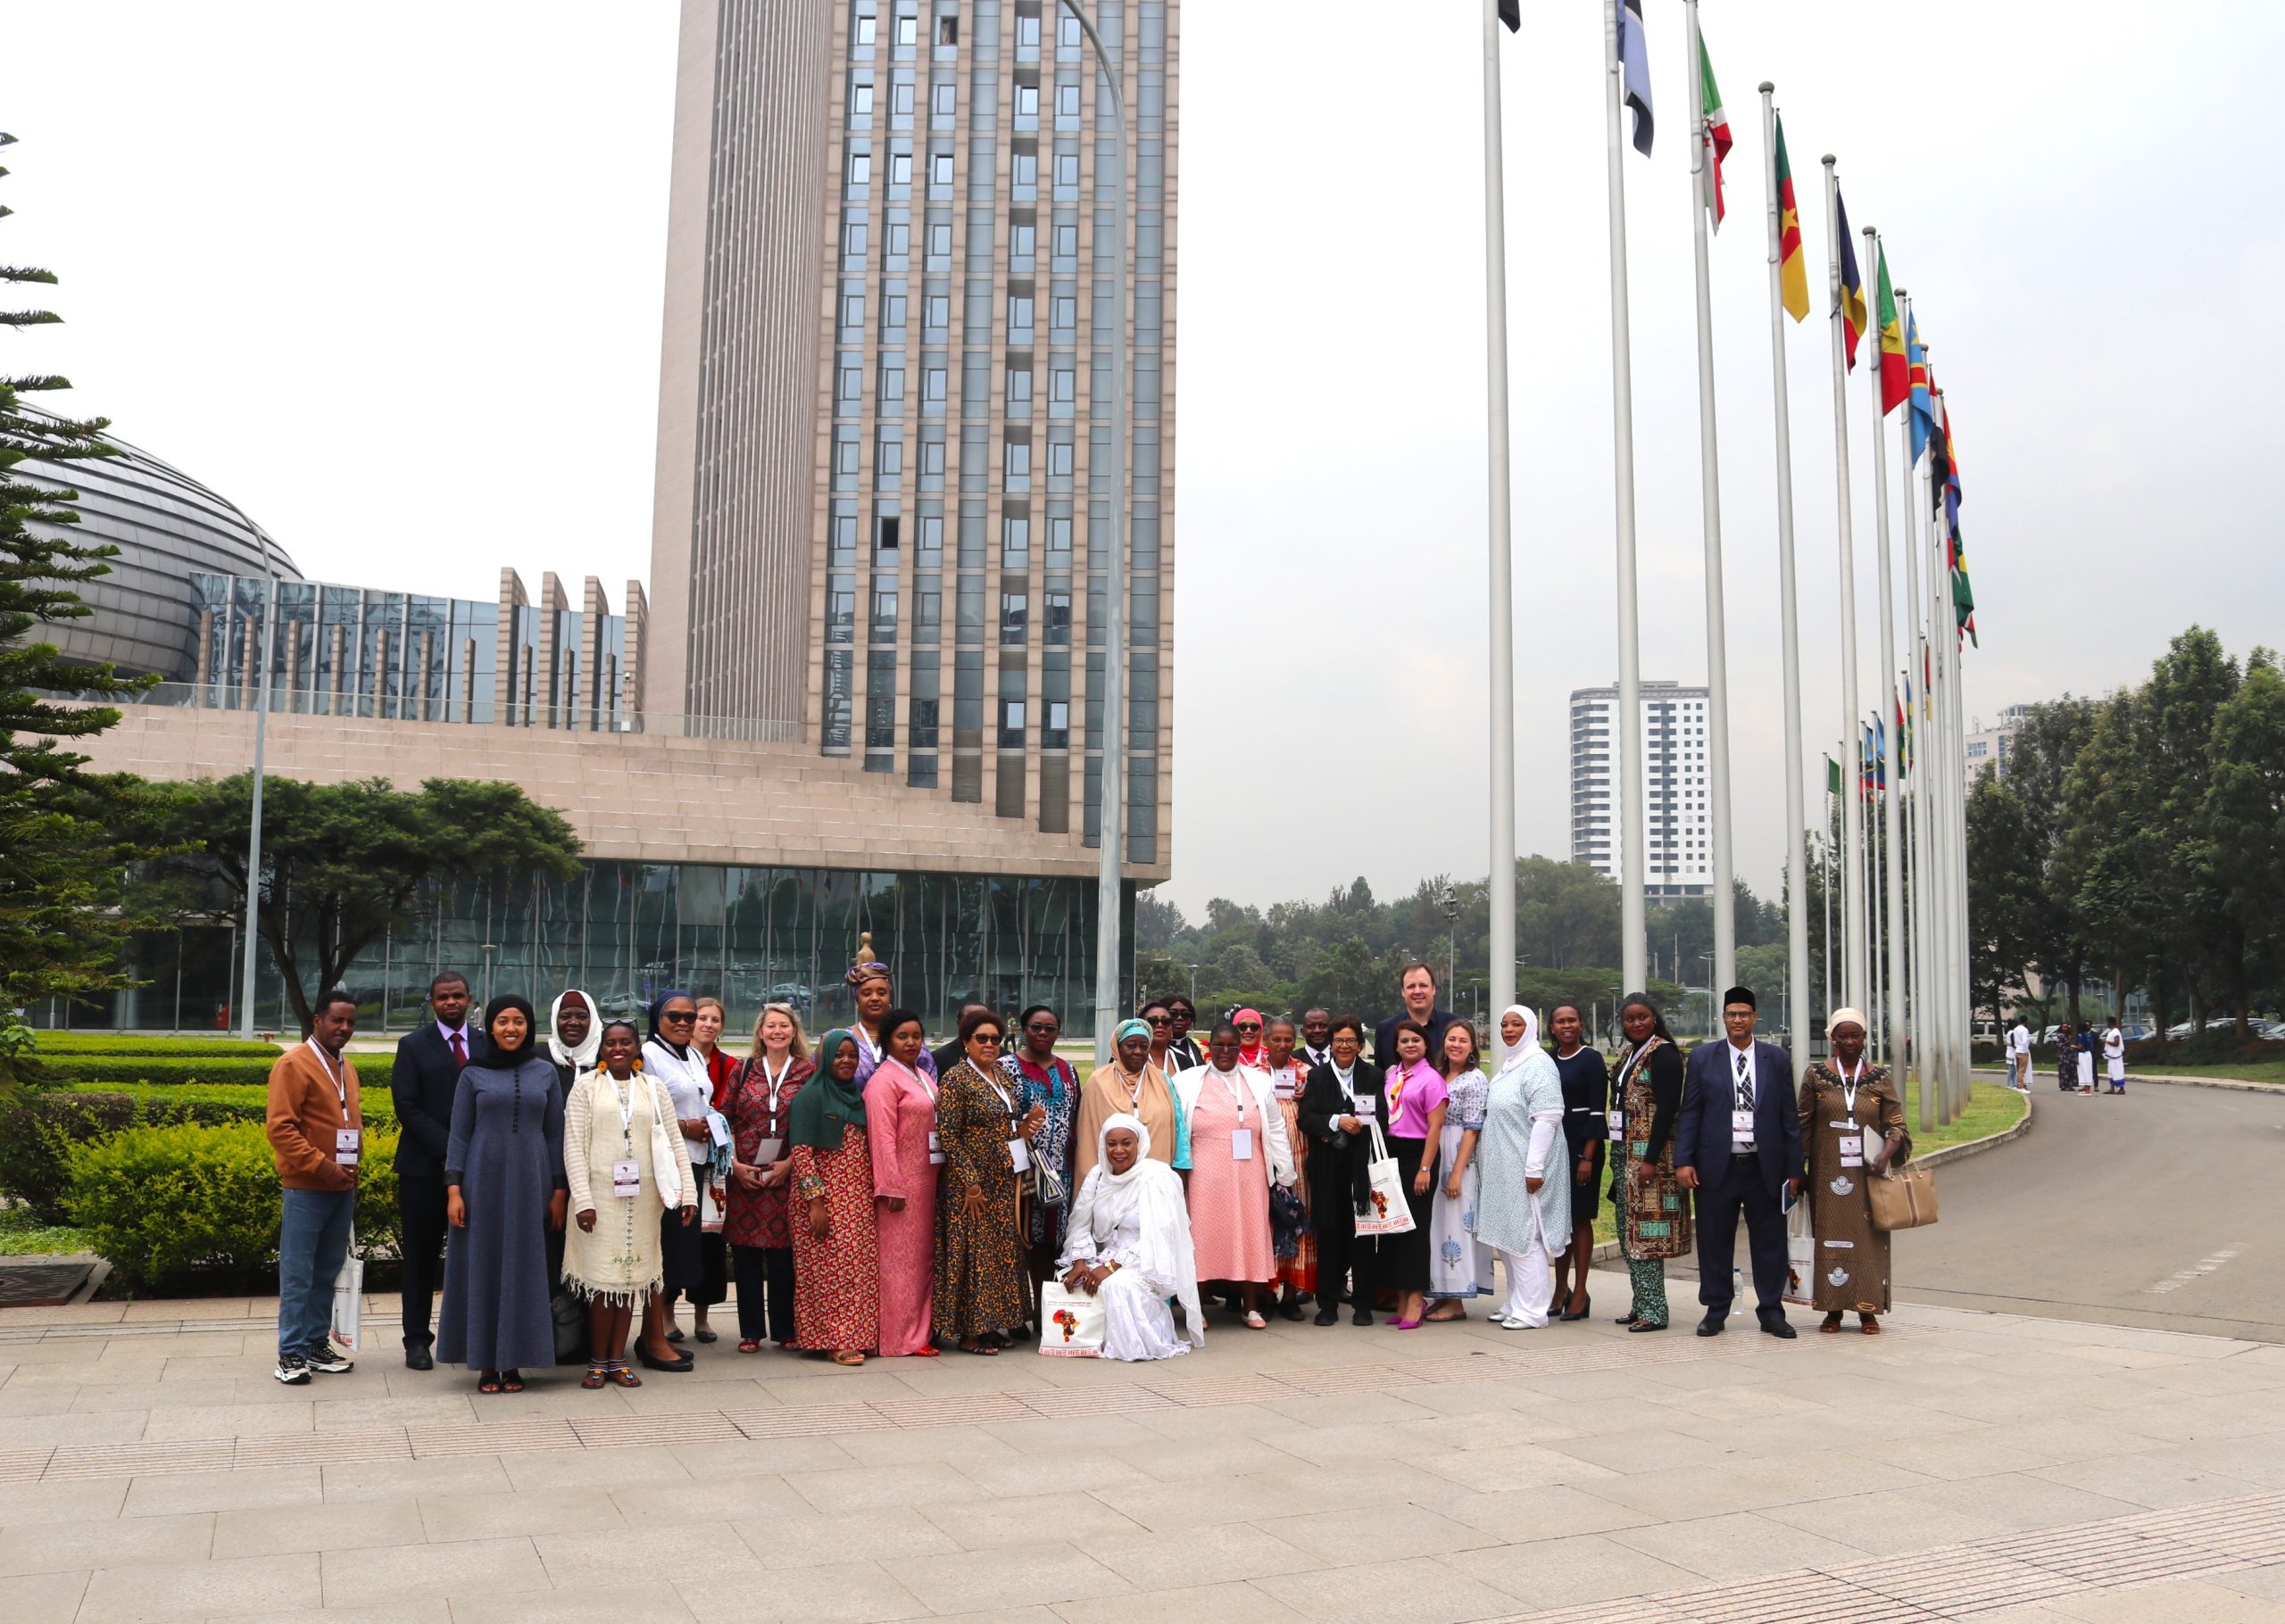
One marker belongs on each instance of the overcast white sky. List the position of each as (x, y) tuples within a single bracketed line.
[(391, 281)]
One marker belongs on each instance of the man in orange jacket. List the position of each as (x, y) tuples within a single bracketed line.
[(317, 1133)]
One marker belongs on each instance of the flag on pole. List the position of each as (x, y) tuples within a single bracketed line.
[(1923, 412), (1895, 376), (1880, 752), (1511, 12), (1792, 274), (1832, 776), (1717, 132), (1852, 285), (1634, 71), (1904, 725)]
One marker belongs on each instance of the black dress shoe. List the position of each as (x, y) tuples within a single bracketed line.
[(1628, 1318), (1363, 1316), (1290, 1310), (1710, 1326), (673, 1366), (1326, 1316), (1651, 1325), (417, 1357), (1776, 1326)]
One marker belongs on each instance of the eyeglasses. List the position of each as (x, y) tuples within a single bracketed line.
[(1158, 1020), (677, 1014), (985, 1036), (1043, 1026), (1249, 1026)]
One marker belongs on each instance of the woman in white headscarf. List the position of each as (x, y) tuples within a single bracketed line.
[(1522, 1206), (575, 1034), (1128, 1246)]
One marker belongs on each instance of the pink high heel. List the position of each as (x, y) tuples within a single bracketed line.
[(1404, 1324)]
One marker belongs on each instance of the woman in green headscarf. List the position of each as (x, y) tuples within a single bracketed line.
[(836, 1283), (1131, 1083)]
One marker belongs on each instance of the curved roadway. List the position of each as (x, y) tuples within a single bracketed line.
[(2161, 1207)]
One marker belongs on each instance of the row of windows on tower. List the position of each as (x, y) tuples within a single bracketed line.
[(1023, 170), (905, 31), (896, 242)]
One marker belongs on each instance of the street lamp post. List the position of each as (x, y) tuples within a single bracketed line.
[(1448, 903), (1114, 742)]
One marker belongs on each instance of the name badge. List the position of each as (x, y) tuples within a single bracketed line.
[(1618, 1120), (1364, 1106), (345, 1146), (936, 1150), (1020, 1154), (1741, 1127), (1242, 1144), (626, 1179), (1852, 1150), (769, 1151), (717, 1130)]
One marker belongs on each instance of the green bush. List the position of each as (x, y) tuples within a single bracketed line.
[(83, 1071), (162, 1203), (118, 1043), (38, 1128)]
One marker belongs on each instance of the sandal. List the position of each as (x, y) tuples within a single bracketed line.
[(708, 1334), (849, 1356), (512, 1382), (930, 1352), (982, 1350), (488, 1382), (748, 1345), (622, 1377), (1829, 1325), (1254, 1322), (1866, 1323), (598, 1373)]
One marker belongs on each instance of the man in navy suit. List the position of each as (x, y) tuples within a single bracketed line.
[(1738, 1145), (422, 1083)]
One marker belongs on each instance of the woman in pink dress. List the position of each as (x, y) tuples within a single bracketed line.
[(900, 1129), (1237, 1144)]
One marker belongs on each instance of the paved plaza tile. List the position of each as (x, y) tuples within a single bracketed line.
[(1969, 1465)]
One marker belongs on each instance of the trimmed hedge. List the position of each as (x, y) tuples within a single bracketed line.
[(110, 1043), (82, 1071), (162, 1203)]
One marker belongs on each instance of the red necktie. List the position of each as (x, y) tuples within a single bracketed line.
[(459, 1049)]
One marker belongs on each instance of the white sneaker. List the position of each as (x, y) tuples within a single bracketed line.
[(293, 1371), (331, 1360)]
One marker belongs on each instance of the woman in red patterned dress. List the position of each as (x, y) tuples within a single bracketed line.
[(758, 1102)]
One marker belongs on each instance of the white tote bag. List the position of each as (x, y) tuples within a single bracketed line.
[(1070, 1322), (1800, 1255), (349, 1297), (1391, 1214)]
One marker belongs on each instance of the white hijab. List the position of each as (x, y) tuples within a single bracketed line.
[(1152, 1192), (1528, 1078), (1516, 1055), (582, 1058)]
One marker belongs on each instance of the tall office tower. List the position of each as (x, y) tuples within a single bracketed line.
[(1679, 851), (880, 514)]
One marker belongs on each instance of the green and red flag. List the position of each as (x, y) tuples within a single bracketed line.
[(1793, 272), (1717, 133), (1896, 382)]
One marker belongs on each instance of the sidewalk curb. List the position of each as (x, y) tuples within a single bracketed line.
[(2238, 1084)]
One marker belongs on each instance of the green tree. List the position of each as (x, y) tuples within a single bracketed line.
[(2245, 816), (343, 863), (63, 861)]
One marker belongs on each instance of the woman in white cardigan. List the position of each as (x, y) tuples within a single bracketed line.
[(624, 1166), (1233, 1145)]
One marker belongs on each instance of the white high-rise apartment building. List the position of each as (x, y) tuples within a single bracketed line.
[(1679, 836)]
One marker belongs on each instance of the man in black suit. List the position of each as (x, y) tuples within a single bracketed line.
[(423, 1080), (1737, 1145), (1417, 988), (1339, 1103)]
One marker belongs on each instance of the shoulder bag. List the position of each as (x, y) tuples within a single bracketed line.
[(1391, 1214), (1903, 1198)]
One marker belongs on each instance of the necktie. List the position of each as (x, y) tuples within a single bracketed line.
[(459, 1049), (1745, 1084)]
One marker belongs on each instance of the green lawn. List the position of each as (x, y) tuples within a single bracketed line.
[(2243, 1071), (22, 1235), (1991, 1108)]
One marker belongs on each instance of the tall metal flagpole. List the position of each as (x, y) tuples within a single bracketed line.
[(1876, 1011), (1915, 682), (1502, 897), (1946, 770), (1717, 658), (1956, 820), (253, 819), (1852, 820), (1893, 1007), (1633, 948), (1796, 867), (1109, 1005)]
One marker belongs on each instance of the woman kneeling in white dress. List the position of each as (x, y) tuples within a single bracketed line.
[(1129, 1248)]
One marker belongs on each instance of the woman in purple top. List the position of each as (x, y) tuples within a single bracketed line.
[(1417, 1095)]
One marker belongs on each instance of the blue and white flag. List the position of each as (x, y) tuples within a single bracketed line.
[(1634, 71)]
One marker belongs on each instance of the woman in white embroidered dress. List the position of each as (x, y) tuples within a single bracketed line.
[(1128, 1246)]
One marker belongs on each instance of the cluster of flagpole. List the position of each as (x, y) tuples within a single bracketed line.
[(1900, 864)]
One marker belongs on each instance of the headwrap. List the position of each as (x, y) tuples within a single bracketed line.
[(1530, 1043), (582, 1058), (1165, 1256), (866, 967), (1837, 1017), (826, 1107), (681, 1051), (513, 1057), (1133, 1026)]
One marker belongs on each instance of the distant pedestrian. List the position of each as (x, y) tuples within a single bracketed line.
[(2019, 1056), (2087, 1059), (2066, 1059), (316, 1136), (423, 1084), (2114, 1056)]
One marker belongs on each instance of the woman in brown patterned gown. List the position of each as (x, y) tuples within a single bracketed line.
[(1852, 1125), (982, 1290)]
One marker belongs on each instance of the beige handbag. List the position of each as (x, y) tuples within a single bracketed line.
[(1903, 1198)]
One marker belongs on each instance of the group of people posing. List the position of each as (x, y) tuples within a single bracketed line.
[(872, 1197)]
